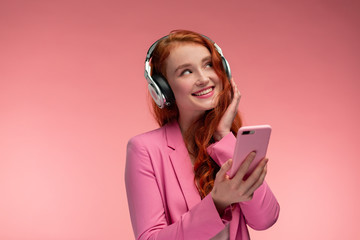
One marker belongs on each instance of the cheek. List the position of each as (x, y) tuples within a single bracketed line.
[(183, 86), (215, 78), (219, 83), (179, 90)]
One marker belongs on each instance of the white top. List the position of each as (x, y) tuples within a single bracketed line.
[(223, 235)]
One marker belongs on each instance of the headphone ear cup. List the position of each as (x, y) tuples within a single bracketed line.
[(226, 67), (164, 88)]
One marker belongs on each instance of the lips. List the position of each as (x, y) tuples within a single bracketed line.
[(203, 91)]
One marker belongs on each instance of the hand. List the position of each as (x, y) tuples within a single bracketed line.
[(227, 191), (226, 121)]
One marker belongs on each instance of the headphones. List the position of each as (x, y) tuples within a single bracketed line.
[(159, 88)]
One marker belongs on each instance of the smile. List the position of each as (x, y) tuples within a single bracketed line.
[(203, 92)]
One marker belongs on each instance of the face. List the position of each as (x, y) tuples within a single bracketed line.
[(192, 78)]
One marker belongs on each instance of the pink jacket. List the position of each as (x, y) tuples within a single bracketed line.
[(164, 202)]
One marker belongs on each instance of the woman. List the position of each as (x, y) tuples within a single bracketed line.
[(175, 176)]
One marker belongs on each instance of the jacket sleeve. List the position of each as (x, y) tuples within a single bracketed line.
[(146, 204), (263, 210)]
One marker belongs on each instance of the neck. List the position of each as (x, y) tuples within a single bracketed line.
[(184, 124), (186, 120)]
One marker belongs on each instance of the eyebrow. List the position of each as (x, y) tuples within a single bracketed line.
[(205, 59)]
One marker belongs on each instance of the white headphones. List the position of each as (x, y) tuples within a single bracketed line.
[(159, 88)]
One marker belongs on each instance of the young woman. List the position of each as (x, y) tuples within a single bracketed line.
[(176, 180)]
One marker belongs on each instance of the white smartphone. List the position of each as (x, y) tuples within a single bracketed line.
[(250, 139)]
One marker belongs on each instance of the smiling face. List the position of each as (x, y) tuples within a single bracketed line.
[(192, 78)]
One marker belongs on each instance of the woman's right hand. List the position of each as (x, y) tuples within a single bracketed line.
[(227, 191)]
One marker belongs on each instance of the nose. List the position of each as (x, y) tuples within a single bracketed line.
[(202, 79)]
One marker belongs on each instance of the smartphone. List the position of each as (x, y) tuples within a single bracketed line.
[(250, 139)]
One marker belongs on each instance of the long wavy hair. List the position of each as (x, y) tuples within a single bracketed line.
[(200, 135)]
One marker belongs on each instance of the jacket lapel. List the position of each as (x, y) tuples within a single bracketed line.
[(181, 163)]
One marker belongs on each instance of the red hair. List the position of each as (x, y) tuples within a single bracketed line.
[(200, 135)]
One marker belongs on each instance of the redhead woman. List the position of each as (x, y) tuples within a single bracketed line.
[(175, 176)]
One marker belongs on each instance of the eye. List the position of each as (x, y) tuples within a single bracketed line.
[(185, 72), (209, 65)]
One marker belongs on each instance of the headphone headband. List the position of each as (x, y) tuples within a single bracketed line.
[(159, 89)]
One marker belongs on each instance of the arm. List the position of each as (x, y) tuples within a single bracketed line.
[(146, 203), (262, 210)]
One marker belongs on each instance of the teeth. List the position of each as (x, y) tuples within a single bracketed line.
[(206, 91)]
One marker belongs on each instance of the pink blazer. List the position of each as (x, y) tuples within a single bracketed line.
[(164, 202)]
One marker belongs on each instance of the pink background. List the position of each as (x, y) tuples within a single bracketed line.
[(72, 93)]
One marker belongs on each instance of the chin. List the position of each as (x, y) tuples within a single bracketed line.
[(207, 108)]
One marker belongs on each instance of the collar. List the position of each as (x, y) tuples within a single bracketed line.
[(182, 165)]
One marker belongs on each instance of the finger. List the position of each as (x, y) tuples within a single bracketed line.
[(257, 177), (221, 174), (244, 167), (254, 176), (236, 91), (258, 183), (235, 97)]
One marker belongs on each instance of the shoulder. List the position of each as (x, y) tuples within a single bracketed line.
[(149, 143), (143, 149), (150, 138), (161, 141)]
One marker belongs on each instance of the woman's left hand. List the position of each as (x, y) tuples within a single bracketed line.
[(226, 121)]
